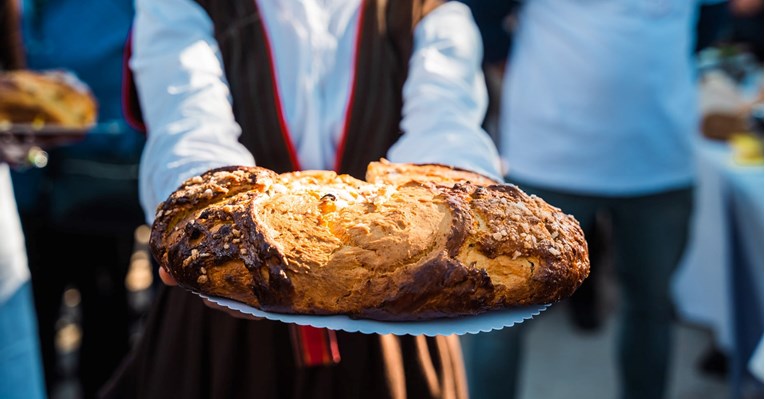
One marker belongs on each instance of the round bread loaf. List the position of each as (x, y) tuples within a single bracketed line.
[(412, 242), (50, 98)]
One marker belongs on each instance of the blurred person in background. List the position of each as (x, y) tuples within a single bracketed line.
[(79, 213), (493, 358), (598, 115), (21, 375), (291, 85)]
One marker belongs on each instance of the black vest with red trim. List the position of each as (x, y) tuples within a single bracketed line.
[(384, 45), (384, 42)]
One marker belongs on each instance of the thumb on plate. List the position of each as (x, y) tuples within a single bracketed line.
[(166, 277)]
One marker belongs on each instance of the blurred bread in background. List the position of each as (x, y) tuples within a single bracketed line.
[(49, 98), (717, 125), (724, 108)]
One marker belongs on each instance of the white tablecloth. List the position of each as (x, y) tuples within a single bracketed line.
[(723, 265)]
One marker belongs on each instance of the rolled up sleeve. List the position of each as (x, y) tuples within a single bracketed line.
[(184, 98), (445, 96)]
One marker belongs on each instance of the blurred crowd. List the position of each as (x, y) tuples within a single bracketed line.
[(592, 105)]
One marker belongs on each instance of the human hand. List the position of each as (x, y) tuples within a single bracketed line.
[(168, 279), (22, 156)]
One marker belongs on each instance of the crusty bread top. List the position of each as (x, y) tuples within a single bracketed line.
[(398, 249), (385, 172), (45, 99)]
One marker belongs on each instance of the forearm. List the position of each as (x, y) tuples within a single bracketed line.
[(184, 98), (445, 96)]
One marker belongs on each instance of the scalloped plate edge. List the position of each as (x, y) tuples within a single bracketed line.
[(484, 322)]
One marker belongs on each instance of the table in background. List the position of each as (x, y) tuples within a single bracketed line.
[(720, 282)]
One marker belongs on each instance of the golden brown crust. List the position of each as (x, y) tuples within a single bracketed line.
[(45, 99), (402, 173), (396, 249)]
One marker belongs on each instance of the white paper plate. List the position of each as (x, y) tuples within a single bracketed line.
[(484, 322)]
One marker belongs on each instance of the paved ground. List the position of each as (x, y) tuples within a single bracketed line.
[(569, 364)]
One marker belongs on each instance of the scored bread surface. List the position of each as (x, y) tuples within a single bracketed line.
[(412, 242)]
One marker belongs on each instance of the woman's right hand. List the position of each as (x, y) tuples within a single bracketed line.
[(168, 279)]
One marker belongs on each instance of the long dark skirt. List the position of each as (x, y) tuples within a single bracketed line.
[(191, 351)]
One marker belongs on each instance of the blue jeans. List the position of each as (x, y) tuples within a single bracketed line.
[(649, 235), (491, 362), (20, 365)]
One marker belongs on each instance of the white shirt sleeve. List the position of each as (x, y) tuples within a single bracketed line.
[(184, 97), (445, 96)]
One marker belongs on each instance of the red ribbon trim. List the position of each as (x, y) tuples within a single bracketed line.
[(352, 96)]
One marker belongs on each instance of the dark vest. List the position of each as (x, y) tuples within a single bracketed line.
[(385, 45)]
